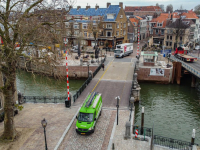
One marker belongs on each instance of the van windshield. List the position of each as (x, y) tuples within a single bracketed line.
[(117, 51), (85, 117)]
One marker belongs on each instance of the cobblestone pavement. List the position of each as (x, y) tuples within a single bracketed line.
[(96, 141), (58, 117)]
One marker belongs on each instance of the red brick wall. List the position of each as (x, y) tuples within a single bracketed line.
[(144, 75)]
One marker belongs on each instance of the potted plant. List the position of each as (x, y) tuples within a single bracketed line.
[(92, 56)]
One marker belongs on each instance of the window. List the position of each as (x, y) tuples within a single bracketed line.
[(76, 26), (159, 24), (84, 26), (110, 16), (124, 32), (117, 33), (108, 34), (109, 25), (170, 43), (76, 33), (118, 25), (156, 31), (85, 33), (129, 24), (162, 32), (180, 38), (170, 37), (124, 25), (67, 25), (166, 43), (121, 16), (85, 117), (151, 32)]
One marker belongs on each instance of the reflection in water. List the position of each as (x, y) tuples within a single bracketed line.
[(173, 109), (38, 85)]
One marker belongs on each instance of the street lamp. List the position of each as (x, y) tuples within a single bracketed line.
[(88, 64), (118, 98), (114, 41), (44, 124)]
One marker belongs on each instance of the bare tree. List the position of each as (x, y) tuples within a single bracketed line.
[(169, 8), (20, 24), (197, 9)]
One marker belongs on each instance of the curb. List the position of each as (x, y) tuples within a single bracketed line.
[(66, 130), (112, 134)]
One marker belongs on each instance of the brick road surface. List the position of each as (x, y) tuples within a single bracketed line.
[(97, 140)]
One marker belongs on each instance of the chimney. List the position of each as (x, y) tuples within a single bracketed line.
[(96, 7), (121, 4), (108, 4), (87, 7), (171, 16), (78, 7)]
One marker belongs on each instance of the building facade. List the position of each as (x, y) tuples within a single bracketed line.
[(103, 26)]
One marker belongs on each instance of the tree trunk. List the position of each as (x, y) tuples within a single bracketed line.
[(9, 91)]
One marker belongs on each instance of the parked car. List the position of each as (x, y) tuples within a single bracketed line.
[(197, 47), (74, 49)]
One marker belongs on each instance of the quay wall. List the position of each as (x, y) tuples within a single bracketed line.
[(144, 76), (56, 71)]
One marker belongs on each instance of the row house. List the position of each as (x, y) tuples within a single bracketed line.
[(142, 10), (108, 26), (136, 24), (162, 28)]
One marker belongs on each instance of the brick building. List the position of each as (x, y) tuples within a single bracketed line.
[(110, 25)]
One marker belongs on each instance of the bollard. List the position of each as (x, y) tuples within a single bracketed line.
[(142, 120), (136, 133), (113, 146), (128, 130), (193, 137)]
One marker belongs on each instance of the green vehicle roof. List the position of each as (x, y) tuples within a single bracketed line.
[(89, 109)]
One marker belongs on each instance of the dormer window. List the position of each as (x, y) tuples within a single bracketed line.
[(121, 16), (110, 16), (159, 24)]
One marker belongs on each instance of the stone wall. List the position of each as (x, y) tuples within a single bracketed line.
[(57, 71), (144, 75)]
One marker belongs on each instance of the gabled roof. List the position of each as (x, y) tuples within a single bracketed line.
[(132, 20), (142, 8), (161, 19), (112, 9)]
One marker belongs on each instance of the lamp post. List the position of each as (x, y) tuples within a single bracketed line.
[(44, 124), (88, 64), (118, 98), (114, 41)]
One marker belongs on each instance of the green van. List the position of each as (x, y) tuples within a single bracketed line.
[(89, 114)]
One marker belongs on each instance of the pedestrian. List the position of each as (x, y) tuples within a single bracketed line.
[(102, 66)]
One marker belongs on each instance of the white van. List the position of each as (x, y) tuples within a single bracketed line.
[(123, 50)]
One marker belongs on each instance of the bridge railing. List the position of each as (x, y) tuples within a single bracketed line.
[(188, 67), (81, 89), (43, 99), (164, 141)]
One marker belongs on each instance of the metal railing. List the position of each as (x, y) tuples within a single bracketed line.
[(164, 141), (146, 131), (85, 84), (43, 99), (185, 65), (172, 143), (81, 89)]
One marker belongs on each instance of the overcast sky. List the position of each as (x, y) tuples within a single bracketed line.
[(186, 4)]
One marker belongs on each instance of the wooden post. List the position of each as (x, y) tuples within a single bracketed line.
[(178, 72), (193, 81)]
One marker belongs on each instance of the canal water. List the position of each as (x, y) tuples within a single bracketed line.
[(172, 109), (37, 85)]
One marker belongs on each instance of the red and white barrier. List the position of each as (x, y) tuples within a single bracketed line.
[(138, 40), (136, 133), (67, 77)]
